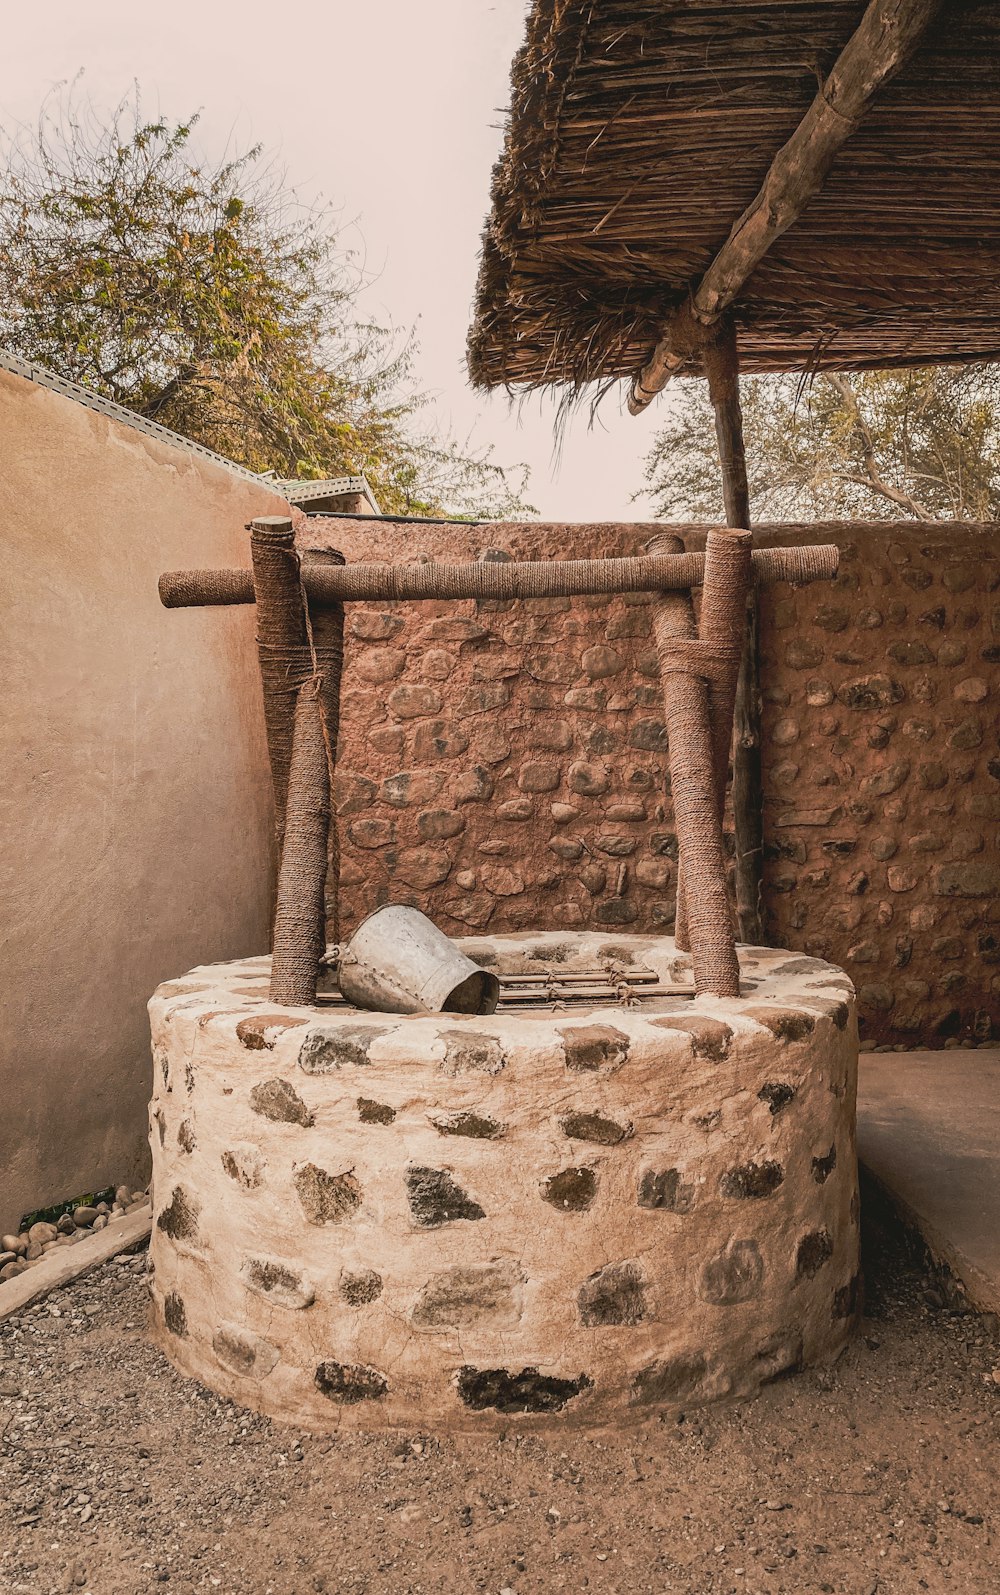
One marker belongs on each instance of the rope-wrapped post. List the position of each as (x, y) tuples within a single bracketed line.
[(299, 921), (684, 667), (326, 622), (722, 623), (673, 618), (282, 644)]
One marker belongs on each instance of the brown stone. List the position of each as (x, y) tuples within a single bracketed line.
[(752, 1181), (615, 1294), (379, 665), (439, 739), (326, 1198), (501, 881), (571, 1190), (278, 1101), (436, 1198), (593, 1047), (423, 866), (409, 701), (353, 792), (253, 1032), (435, 825), (179, 1219), (358, 1289), (666, 1190), (600, 661), (733, 1275), (348, 1383), (710, 1038), (341, 1046), (539, 775), (473, 786), (372, 834), (370, 625), (649, 735), (589, 779), (471, 1052), (477, 1126), (464, 1295), (437, 664), (594, 1127), (486, 698)]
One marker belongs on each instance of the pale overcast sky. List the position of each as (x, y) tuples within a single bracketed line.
[(392, 110)]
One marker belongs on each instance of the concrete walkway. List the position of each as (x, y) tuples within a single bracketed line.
[(929, 1131)]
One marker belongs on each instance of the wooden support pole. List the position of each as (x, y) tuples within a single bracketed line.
[(282, 644), (742, 693), (299, 929), (565, 578), (885, 38), (327, 626), (673, 618)]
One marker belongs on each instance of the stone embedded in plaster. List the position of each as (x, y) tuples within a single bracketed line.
[(280, 1102), (322, 1051), (710, 1038), (785, 1024), (179, 1219), (372, 1112), (830, 1008), (571, 1190), (615, 1294), (326, 1198), (751, 1181), (476, 1125), (670, 1379), (245, 1163), (594, 1127), (243, 1352), (277, 1283), (594, 1047), (186, 1138), (174, 1314), (471, 1052), (435, 1198), (812, 1252), (823, 1167), (361, 1287), (527, 1391), (666, 1190), (464, 1295), (161, 1125), (777, 1094), (253, 1032), (349, 1382), (734, 1275)]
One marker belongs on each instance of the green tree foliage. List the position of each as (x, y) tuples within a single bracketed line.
[(205, 297), (880, 445)]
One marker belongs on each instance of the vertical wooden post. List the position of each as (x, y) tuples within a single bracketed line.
[(722, 369), (673, 617), (282, 644), (327, 625), (299, 929)]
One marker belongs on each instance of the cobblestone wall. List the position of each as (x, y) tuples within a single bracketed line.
[(503, 764)]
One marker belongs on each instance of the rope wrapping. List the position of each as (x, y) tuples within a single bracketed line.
[(282, 646), (325, 624), (673, 621), (299, 927), (566, 578)]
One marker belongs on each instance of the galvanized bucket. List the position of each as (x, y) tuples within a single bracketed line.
[(398, 961)]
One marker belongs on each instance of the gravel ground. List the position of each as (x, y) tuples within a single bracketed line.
[(876, 1477)]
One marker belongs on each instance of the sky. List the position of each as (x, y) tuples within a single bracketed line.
[(392, 111)]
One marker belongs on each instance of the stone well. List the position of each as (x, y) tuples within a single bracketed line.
[(584, 1213)]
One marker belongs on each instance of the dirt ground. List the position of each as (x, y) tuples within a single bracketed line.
[(876, 1477)]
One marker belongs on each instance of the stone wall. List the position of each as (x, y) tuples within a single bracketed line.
[(503, 763)]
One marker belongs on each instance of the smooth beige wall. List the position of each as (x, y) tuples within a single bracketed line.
[(135, 816)]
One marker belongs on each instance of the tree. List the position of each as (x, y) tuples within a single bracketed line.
[(204, 296), (922, 444)]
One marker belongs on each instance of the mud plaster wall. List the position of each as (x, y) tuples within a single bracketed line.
[(503, 764), (135, 803)]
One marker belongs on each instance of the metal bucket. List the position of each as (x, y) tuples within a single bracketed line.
[(398, 961)]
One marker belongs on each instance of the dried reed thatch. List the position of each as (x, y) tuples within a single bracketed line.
[(641, 129)]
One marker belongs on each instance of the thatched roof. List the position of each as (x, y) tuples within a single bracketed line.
[(641, 129)]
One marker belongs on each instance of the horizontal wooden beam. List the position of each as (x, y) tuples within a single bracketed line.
[(885, 38), (364, 583)]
